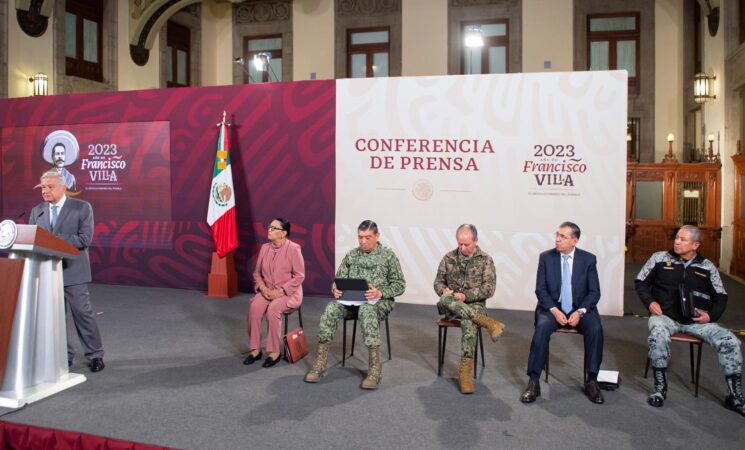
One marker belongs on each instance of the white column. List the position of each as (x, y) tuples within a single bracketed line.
[(313, 40), (547, 34), (668, 85), (424, 44), (217, 43)]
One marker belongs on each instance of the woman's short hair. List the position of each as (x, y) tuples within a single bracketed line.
[(285, 224)]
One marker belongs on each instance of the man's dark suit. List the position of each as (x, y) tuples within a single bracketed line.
[(585, 294), (75, 225)]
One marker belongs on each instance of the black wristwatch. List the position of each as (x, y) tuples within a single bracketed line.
[(581, 313)]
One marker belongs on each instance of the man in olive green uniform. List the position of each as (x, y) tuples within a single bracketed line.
[(465, 278), (379, 266)]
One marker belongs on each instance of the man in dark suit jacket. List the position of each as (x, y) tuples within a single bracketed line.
[(572, 305), (71, 220)]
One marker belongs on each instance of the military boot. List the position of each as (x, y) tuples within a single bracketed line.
[(494, 327), (374, 369), (658, 396), (735, 400), (465, 381), (318, 370)]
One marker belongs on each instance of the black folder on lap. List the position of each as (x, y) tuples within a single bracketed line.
[(353, 289)]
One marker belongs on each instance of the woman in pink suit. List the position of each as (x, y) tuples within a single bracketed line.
[(278, 280)]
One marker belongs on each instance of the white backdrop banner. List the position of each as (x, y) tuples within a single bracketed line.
[(515, 155)]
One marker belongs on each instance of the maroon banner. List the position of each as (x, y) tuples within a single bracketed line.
[(282, 154)]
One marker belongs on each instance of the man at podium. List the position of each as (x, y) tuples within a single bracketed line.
[(71, 220)]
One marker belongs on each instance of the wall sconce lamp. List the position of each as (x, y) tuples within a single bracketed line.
[(711, 157), (474, 37), (710, 138), (670, 157), (629, 139), (41, 84), (704, 87)]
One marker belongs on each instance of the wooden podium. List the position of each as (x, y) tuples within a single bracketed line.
[(33, 336)]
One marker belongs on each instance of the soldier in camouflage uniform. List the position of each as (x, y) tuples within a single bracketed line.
[(465, 278), (378, 265), (658, 285)]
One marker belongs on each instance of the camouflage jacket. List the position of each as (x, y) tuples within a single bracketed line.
[(380, 268), (475, 276)]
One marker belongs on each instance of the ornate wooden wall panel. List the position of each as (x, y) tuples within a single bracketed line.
[(648, 239), (690, 194)]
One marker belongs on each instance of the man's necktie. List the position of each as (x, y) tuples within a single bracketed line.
[(566, 285), (54, 216)]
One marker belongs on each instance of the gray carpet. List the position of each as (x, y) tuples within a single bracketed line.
[(174, 378)]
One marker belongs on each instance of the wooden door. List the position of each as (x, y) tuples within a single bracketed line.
[(738, 225)]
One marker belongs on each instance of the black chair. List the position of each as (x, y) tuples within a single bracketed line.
[(286, 315), (354, 333), (695, 368), (563, 330), (442, 336)]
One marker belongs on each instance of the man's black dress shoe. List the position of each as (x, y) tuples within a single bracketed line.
[(97, 364), (269, 362), (592, 389), (531, 392), (252, 359)]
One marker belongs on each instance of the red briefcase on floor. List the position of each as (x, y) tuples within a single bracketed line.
[(295, 345)]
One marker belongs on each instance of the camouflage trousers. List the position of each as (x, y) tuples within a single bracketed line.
[(368, 316), (726, 343), (465, 312)]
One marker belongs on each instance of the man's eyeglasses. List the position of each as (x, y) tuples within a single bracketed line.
[(273, 228), (562, 237)]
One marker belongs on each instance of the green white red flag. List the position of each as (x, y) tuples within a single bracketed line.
[(221, 210)]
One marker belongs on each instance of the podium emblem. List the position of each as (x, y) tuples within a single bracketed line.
[(8, 233)]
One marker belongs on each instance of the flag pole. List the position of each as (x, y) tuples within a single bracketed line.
[(222, 280)]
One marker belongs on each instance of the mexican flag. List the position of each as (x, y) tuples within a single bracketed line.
[(221, 210)]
